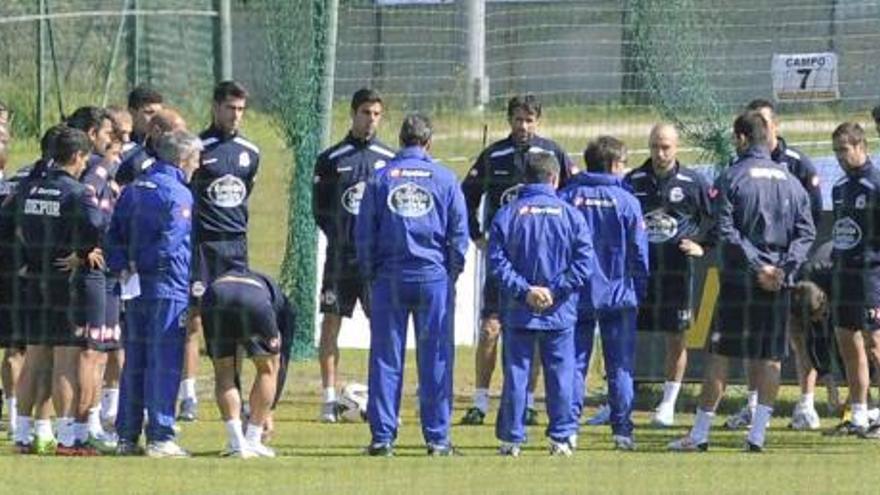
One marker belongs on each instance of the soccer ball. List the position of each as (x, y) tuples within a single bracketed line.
[(353, 403)]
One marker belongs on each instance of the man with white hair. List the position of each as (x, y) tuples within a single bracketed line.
[(149, 239)]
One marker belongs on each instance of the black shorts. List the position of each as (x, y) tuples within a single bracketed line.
[(491, 298), (89, 307), (12, 335), (341, 288), (112, 337), (236, 314), (49, 313), (214, 255), (668, 303), (750, 322), (855, 299)]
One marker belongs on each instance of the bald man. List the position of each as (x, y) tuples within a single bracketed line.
[(675, 202)]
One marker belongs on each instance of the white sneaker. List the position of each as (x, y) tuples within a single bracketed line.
[(260, 450), (509, 449), (874, 414), (560, 449), (687, 444), (664, 416), (623, 443), (238, 453), (804, 419), (602, 416), (165, 449), (573, 441), (740, 420), (330, 412)]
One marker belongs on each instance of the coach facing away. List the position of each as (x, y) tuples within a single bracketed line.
[(764, 232), (541, 254), (411, 239)]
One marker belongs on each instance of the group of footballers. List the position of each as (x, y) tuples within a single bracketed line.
[(122, 244), (633, 266), (128, 237)]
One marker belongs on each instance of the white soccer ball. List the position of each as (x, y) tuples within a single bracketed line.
[(354, 403)]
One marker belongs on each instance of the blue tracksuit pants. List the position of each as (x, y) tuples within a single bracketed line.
[(431, 306), (556, 348), (154, 339), (618, 330)]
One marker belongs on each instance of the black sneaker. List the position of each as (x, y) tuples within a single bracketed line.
[(473, 416), (753, 448), (871, 433), (845, 428), (442, 450), (380, 450), (531, 417)]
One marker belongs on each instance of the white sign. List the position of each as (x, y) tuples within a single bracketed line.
[(805, 77)]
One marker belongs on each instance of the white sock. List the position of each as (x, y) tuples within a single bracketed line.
[(753, 400), (759, 424), (43, 429), (81, 431), (859, 414), (12, 407), (66, 434), (233, 432), (530, 400), (807, 401), (670, 394), (481, 399), (109, 403), (702, 425), (254, 434), (95, 428), (329, 394), (188, 389), (22, 429)]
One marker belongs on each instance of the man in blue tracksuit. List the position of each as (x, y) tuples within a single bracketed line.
[(541, 255), (411, 239), (763, 230), (150, 237), (611, 296)]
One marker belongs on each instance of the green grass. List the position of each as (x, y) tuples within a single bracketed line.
[(318, 458)]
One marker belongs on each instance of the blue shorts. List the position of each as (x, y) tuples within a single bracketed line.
[(855, 299), (750, 322), (236, 314)]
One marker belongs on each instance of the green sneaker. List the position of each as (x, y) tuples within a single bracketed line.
[(473, 416), (104, 445), (44, 446), (531, 417)]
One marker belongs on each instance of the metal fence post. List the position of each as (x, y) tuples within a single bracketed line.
[(223, 40)]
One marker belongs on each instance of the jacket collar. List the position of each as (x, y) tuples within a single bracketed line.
[(357, 142), (414, 152), (537, 190), (215, 132), (166, 168), (861, 171), (755, 152), (779, 152), (594, 179)]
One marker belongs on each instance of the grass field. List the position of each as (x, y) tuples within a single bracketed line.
[(318, 458)]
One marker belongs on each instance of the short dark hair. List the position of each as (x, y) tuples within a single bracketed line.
[(88, 118), (541, 167), (602, 152), (47, 142), (142, 96), (68, 143), (875, 113), (416, 130), (365, 95), (760, 103), (752, 126), (853, 133), (227, 89), (528, 103)]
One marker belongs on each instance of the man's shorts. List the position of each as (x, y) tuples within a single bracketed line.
[(236, 314), (92, 300), (111, 338), (491, 298), (750, 322), (667, 306), (214, 255), (341, 288), (12, 335), (49, 313), (855, 299)]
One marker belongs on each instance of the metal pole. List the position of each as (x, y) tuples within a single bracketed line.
[(477, 94), (41, 70), (114, 54), (332, 7), (223, 40)]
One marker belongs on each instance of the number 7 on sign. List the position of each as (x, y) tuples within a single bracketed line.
[(806, 75)]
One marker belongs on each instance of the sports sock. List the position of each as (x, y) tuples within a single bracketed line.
[(807, 401), (66, 434), (23, 429), (530, 400), (233, 432), (109, 403), (329, 394), (254, 434), (94, 423), (80, 431), (188, 389), (860, 414), (759, 424), (702, 425), (12, 411), (670, 393), (43, 429), (753, 400), (481, 399)]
